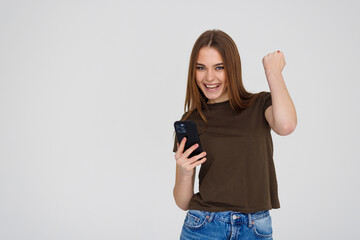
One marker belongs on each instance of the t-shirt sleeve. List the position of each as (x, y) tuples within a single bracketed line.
[(175, 138), (267, 101)]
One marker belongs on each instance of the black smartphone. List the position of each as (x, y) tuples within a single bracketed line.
[(187, 128)]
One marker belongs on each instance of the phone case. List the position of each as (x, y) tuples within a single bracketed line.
[(188, 129)]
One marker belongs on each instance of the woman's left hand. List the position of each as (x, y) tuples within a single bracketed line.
[(274, 62)]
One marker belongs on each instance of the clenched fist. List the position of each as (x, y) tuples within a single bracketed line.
[(274, 62)]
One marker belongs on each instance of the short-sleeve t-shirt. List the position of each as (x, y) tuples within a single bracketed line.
[(239, 173)]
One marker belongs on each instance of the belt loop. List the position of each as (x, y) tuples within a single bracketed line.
[(210, 218), (249, 217)]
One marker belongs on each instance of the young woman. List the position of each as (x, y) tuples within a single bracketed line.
[(237, 178)]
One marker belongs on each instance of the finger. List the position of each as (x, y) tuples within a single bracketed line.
[(182, 144), (194, 159), (199, 162), (190, 150), (197, 157)]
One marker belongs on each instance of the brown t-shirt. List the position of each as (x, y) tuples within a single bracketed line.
[(239, 173)]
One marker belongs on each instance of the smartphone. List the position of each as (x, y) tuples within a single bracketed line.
[(187, 128)]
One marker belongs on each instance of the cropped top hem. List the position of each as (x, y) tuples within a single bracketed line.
[(234, 209)]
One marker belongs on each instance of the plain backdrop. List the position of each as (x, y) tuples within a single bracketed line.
[(89, 92)]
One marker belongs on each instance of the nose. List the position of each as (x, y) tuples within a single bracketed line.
[(210, 75)]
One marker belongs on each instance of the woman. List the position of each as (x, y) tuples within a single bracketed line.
[(237, 178)]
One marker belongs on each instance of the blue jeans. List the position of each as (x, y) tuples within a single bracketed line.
[(226, 225)]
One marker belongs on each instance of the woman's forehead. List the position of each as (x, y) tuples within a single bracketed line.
[(209, 56)]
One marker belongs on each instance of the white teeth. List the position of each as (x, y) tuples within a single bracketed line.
[(212, 86)]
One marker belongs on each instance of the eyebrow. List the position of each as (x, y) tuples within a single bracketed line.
[(214, 64)]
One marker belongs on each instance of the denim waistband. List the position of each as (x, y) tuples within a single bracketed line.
[(232, 217)]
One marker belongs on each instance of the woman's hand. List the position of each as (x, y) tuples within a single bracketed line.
[(274, 62), (188, 164)]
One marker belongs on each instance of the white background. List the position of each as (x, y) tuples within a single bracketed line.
[(89, 92)]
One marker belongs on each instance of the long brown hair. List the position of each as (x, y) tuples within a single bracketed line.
[(239, 98)]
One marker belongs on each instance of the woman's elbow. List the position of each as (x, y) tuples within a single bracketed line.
[(287, 129)]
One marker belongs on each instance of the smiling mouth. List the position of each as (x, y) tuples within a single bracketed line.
[(212, 86)]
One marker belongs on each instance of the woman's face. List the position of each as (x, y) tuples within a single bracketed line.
[(210, 73)]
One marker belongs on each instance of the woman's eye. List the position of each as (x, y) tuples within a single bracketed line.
[(202, 68)]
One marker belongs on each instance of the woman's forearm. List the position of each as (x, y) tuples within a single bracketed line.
[(284, 113), (183, 189)]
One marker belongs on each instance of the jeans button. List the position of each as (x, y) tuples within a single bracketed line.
[(234, 216)]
